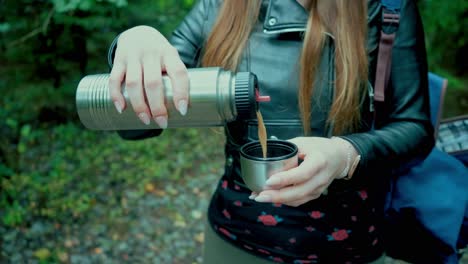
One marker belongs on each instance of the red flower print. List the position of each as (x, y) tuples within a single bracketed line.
[(277, 260), (269, 220), (371, 229), (312, 256), (277, 204), (363, 194), (292, 240), (354, 218), (238, 203), (226, 214), (316, 214), (310, 229), (236, 187), (227, 233), (224, 184), (278, 248), (264, 251), (298, 261), (375, 242), (339, 235)]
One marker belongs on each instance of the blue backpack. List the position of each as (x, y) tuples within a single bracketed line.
[(426, 214)]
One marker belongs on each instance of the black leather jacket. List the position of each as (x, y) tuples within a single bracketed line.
[(403, 129)]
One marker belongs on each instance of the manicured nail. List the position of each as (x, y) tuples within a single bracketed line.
[(252, 196), (183, 107), (262, 198), (161, 121), (144, 118), (273, 181), (118, 106)]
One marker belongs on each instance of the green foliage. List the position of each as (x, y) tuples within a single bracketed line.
[(62, 169), (84, 5), (49, 166), (445, 24)]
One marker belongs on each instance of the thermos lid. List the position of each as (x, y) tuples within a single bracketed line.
[(246, 84)]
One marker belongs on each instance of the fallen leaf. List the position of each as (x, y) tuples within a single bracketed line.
[(63, 257), (69, 243), (160, 193), (172, 191), (181, 224), (179, 220), (98, 251), (197, 214), (200, 237), (149, 187), (42, 253)]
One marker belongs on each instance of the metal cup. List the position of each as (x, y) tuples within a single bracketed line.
[(255, 170)]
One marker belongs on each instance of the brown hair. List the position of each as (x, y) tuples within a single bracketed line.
[(345, 20)]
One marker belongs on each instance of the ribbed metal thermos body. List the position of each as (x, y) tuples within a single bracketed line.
[(216, 96)]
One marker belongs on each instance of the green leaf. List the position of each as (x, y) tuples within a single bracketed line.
[(42, 253), (25, 130)]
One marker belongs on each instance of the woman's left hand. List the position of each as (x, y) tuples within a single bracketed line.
[(323, 160)]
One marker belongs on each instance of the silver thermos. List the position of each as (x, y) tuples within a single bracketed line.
[(216, 97)]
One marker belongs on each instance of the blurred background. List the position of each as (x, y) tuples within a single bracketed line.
[(69, 195)]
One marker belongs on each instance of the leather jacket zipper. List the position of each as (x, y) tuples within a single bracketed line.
[(286, 30)]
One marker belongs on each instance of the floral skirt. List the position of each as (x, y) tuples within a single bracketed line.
[(340, 227)]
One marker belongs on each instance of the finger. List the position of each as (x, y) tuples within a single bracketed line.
[(154, 89), (284, 195), (134, 85), (297, 175), (116, 77), (178, 74), (253, 195)]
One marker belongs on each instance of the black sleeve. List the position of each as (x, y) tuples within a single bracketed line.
[(403, 130)]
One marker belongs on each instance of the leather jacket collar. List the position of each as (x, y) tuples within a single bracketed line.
[(289, 16), (285, 16)]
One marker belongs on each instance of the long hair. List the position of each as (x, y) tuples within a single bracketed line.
[(343, 19)]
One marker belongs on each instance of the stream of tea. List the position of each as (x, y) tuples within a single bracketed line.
[(262, 134)]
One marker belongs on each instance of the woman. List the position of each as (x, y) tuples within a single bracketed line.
[(316, 60)]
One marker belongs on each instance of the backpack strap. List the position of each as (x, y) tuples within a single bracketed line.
[(390, 23)]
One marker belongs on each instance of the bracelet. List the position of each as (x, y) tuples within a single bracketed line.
[(344, 173)]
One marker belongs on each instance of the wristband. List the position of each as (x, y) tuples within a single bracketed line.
[(345, 171), (345, 174)]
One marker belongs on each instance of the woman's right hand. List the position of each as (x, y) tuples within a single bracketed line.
[(142, 54)]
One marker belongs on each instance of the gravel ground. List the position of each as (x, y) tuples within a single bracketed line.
[(165, 226)]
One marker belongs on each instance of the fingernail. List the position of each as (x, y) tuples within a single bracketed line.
[(263, 198), (118, 106), (252, 196), (183, 107), (144, 118), (273, 181), (161, 121)]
